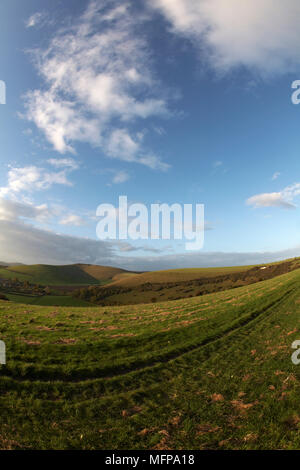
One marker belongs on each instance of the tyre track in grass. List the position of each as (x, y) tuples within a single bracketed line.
[(156, 362)]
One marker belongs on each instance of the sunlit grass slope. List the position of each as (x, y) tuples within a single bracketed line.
[(102, 273), (177, 275), (51, 275), (75, 274), (210, 372)]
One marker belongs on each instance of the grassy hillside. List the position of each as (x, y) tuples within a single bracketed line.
[(7, 273), (212, 372), (76, 274), (60, 275), (53, 275), (103, 273), (175, 284), (177, 275)]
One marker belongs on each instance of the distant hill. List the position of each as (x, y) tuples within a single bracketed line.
[(158, 286), (175, 275), (76, 274)]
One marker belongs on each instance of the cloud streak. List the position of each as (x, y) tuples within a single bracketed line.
[(35, 20), (283, 199)]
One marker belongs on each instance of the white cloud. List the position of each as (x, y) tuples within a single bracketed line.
[(28, 244), (14, 210), (61, 122), (18, 211), (120, 177), (269, 200), (73, 219), (122, 145), (159, 130), (64, 163), (282, 198), (21, 241), (275, 175), (34, 20), (32, 178), (258, 34), (96, 73)]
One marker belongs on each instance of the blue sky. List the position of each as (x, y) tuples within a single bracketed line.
[(178, 101)]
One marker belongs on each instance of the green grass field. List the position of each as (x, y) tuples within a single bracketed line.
[(6, 273), (210, 372)]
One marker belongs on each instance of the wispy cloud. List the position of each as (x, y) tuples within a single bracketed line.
[(282, 198), (35, 19), (270, 200), (15, 210), (98, 82), (121, 177), (251, 33), (73, 219), (32, 178), (64, 163), (275, 175)]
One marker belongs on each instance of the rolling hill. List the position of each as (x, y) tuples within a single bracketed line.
[(208, 372), (177, 275), (76, 274), (104, 273), (86, 284), (174, 284)]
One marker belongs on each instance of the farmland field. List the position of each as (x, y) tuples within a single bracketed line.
[(208, 372)]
